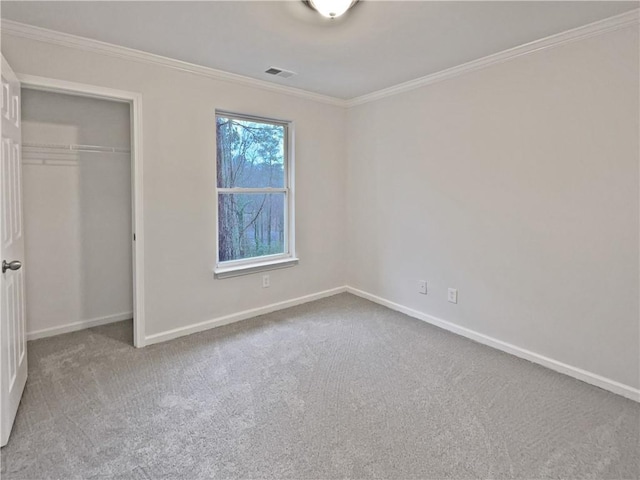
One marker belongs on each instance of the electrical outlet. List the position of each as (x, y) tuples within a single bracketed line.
[(452, 295), (422, 287), (266, 281)]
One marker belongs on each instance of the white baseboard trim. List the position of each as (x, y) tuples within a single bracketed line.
[(236, 317), (578, 373), (81, 325)]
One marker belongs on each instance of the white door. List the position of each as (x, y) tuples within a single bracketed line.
[(13, 345)]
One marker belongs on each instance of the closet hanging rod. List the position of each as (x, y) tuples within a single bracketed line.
[(75, 148)]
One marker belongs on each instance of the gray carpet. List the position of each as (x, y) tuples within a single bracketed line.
[(339, 388)]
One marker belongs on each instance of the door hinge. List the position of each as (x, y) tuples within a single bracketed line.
[(134, 237)]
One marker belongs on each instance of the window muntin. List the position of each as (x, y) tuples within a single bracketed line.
[(253, 190)]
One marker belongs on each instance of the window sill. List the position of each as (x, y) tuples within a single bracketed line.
[(238, 270)]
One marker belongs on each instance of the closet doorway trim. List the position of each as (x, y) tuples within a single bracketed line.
[(135, 101)]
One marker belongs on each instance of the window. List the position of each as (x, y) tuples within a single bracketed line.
[(255, 204)]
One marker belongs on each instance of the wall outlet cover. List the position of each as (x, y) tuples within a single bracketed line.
[(452, 295)]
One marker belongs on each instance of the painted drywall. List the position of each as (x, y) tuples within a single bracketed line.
[(77, 212), (179, 161), (518, 185)]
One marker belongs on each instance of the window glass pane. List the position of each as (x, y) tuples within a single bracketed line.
[(250, 225), (250, 154)]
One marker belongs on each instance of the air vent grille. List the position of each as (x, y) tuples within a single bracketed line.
[(279, 72)]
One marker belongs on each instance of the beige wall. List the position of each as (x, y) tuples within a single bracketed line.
[(179, 161), (517, 185)]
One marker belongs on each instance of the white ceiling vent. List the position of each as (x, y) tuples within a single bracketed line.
[(279, 72)]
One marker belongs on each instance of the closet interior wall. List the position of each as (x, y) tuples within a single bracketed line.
[(77, 211)]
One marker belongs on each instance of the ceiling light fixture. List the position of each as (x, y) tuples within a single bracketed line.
[(330, 8)]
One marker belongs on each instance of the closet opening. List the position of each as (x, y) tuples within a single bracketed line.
[(79, 209)]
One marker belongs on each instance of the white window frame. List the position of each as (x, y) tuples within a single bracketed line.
[(245, 266)]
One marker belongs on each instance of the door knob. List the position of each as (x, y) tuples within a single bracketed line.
[(15, 265)]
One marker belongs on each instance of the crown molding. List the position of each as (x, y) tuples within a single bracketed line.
[(45, 35), (627, 19), (624, 20)]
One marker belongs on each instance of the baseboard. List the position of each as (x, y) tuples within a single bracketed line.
[(236, 317), (575, 372), (81, 325)]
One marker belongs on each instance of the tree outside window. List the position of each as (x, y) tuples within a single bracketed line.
[(253, 188)]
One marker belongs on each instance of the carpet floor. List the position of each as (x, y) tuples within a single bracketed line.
[(338, 388)]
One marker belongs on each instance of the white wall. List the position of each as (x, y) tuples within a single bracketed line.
[(517, 184), (179, 161), (77, 212)]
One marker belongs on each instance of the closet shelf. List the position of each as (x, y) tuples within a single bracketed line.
[(74, 148)]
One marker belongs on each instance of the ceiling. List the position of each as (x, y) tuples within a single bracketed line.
[(376, 45)]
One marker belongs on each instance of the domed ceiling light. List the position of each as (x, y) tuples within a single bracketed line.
[(330, 8)]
